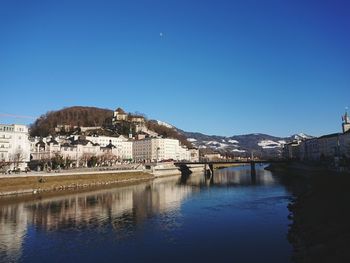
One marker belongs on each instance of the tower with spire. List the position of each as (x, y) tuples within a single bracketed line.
[(346, 121), (130, 133)]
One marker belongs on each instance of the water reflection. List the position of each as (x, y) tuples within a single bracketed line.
[(120, 210), (13, 228), (234, 176)]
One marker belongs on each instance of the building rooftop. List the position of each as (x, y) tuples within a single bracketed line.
[(120, 111), (40, 144), (330, 135), (52, 141)]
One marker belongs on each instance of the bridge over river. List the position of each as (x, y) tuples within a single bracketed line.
[(209, 165)]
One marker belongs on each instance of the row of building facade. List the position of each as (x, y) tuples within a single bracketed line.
[(17, 149), (334, 146)]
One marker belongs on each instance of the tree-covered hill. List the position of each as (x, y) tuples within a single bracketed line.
[(79, 116), (73, 116)]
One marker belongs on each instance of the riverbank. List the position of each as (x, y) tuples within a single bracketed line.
[(320, 214), (57, 182), (305, 167)]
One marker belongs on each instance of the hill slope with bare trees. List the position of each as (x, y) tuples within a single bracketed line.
[(73, 116)]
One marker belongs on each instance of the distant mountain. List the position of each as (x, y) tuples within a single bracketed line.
[(262, 145), (162, 123), (301, 136)]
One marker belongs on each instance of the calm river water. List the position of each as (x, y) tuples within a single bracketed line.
[(233, 218)]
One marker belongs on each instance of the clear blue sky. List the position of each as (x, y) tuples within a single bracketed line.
[(216, 67)]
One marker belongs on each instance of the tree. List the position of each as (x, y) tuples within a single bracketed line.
[(137, 113), (68, 162), (3, 165), (17, 158), (84, 159), (92, 162), (57, 161), (73, 116), (107, 159)]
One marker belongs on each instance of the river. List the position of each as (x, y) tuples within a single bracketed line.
[(232, 218)]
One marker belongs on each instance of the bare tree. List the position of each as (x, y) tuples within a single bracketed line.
[(107, 159), (4, 166), (57, 161), (17, 158), (84, 159)]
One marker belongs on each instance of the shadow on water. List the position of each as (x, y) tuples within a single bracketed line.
[(319, 231)]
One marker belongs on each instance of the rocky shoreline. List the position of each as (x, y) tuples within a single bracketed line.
[(320, 214)]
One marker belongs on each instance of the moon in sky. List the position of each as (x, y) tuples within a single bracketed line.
[(161, 34)]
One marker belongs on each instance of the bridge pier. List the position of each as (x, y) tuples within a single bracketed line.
[(252, 167), (209, 169), (252, 172)]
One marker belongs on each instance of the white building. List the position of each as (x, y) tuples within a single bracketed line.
[(123, 146), (14, 145), (158, 149), (79, 149), (194, 155), (119, 115), (103, 141), (327, 147), (44, 149)]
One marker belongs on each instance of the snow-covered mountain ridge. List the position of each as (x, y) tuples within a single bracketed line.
[(261, 144)]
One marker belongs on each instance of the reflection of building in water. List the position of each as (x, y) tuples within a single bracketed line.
[(13, 228), (237, 176), (168, 196), (161, 195), (242, 177), (100, 207), (81, 209), (119, 206)]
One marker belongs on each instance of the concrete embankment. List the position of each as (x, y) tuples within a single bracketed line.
[(170, 169), (165, 170), (34, 183), (31, 184)]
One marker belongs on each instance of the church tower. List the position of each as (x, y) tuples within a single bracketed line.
[(346, 121), (130, 133)]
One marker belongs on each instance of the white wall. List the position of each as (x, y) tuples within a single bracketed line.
[(14, 139)]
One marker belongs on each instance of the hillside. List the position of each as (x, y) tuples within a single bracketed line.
[(73, 116), (262, 145), (79, 116), (168, 131)]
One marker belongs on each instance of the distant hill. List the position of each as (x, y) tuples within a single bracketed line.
[(91, 116), (73, 116), (262, 145), (168, 131)]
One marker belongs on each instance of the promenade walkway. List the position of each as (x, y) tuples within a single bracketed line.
[(78, 171)]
